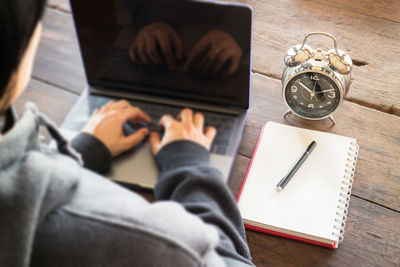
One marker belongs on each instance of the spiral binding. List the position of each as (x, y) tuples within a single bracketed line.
[(345, 192)]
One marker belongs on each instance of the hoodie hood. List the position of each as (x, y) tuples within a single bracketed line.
[(29, 188)]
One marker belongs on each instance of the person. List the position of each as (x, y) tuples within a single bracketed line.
[(54, 212)]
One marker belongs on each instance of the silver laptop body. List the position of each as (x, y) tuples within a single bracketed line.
[(111, 74)]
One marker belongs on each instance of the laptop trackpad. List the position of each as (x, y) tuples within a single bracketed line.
[(138, 167)]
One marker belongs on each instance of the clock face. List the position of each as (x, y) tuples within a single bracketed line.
[(312, 95)]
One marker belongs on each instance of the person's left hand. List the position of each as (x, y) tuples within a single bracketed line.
[(106, 124), (214, 50), (187, 126)]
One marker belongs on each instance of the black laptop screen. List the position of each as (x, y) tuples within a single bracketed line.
[(192, 50)]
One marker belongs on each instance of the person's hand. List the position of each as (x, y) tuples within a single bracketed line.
[(187, 126), (107, 123), (157, 44), (214, 52)]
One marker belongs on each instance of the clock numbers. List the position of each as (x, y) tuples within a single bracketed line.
[(312, 95), (331, 95)]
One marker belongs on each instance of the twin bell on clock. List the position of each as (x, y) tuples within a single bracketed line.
[(315, 81)]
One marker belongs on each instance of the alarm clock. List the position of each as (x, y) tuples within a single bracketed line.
[(315, 82)]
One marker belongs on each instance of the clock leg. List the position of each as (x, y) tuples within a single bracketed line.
[(332, 120), (287, 113)]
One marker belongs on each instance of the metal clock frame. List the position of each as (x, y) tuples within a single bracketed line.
[(322, 68)]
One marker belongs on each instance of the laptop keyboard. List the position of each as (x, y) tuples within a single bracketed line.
[(224, 123)]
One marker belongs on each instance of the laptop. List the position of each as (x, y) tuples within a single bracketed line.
[(108, 29)]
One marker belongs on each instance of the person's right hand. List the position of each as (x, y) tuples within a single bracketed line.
[(155, 38), (106, 124), (187, 126)]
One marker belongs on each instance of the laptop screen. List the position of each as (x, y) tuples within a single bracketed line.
[(189, 50)]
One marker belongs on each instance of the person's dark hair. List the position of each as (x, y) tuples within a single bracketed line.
[(18, 20)]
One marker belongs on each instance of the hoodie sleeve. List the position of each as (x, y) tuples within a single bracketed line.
[(95, 154), (187, 177)]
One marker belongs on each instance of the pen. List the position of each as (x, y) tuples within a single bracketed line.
[(282, 183)]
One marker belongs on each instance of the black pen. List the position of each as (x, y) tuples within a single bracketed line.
[(286, 179)]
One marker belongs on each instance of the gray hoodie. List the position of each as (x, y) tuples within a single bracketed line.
[(54, 212)]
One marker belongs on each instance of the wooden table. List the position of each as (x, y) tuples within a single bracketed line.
[(370, 32)]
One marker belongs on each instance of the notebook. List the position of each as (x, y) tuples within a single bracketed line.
[(313, 206)]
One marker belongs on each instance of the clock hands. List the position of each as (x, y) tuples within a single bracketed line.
[(324, 91), (312, 92), (305, 87), (315, 83), (309, 90)]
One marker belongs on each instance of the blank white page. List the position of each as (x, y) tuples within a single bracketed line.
[(308, 203)]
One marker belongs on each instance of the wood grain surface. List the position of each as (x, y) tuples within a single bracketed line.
[(369, 31), (361, 30), (61, 5), (52, 101), (58, 61)]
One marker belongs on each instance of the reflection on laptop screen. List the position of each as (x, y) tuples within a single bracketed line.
[(183, 49)]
